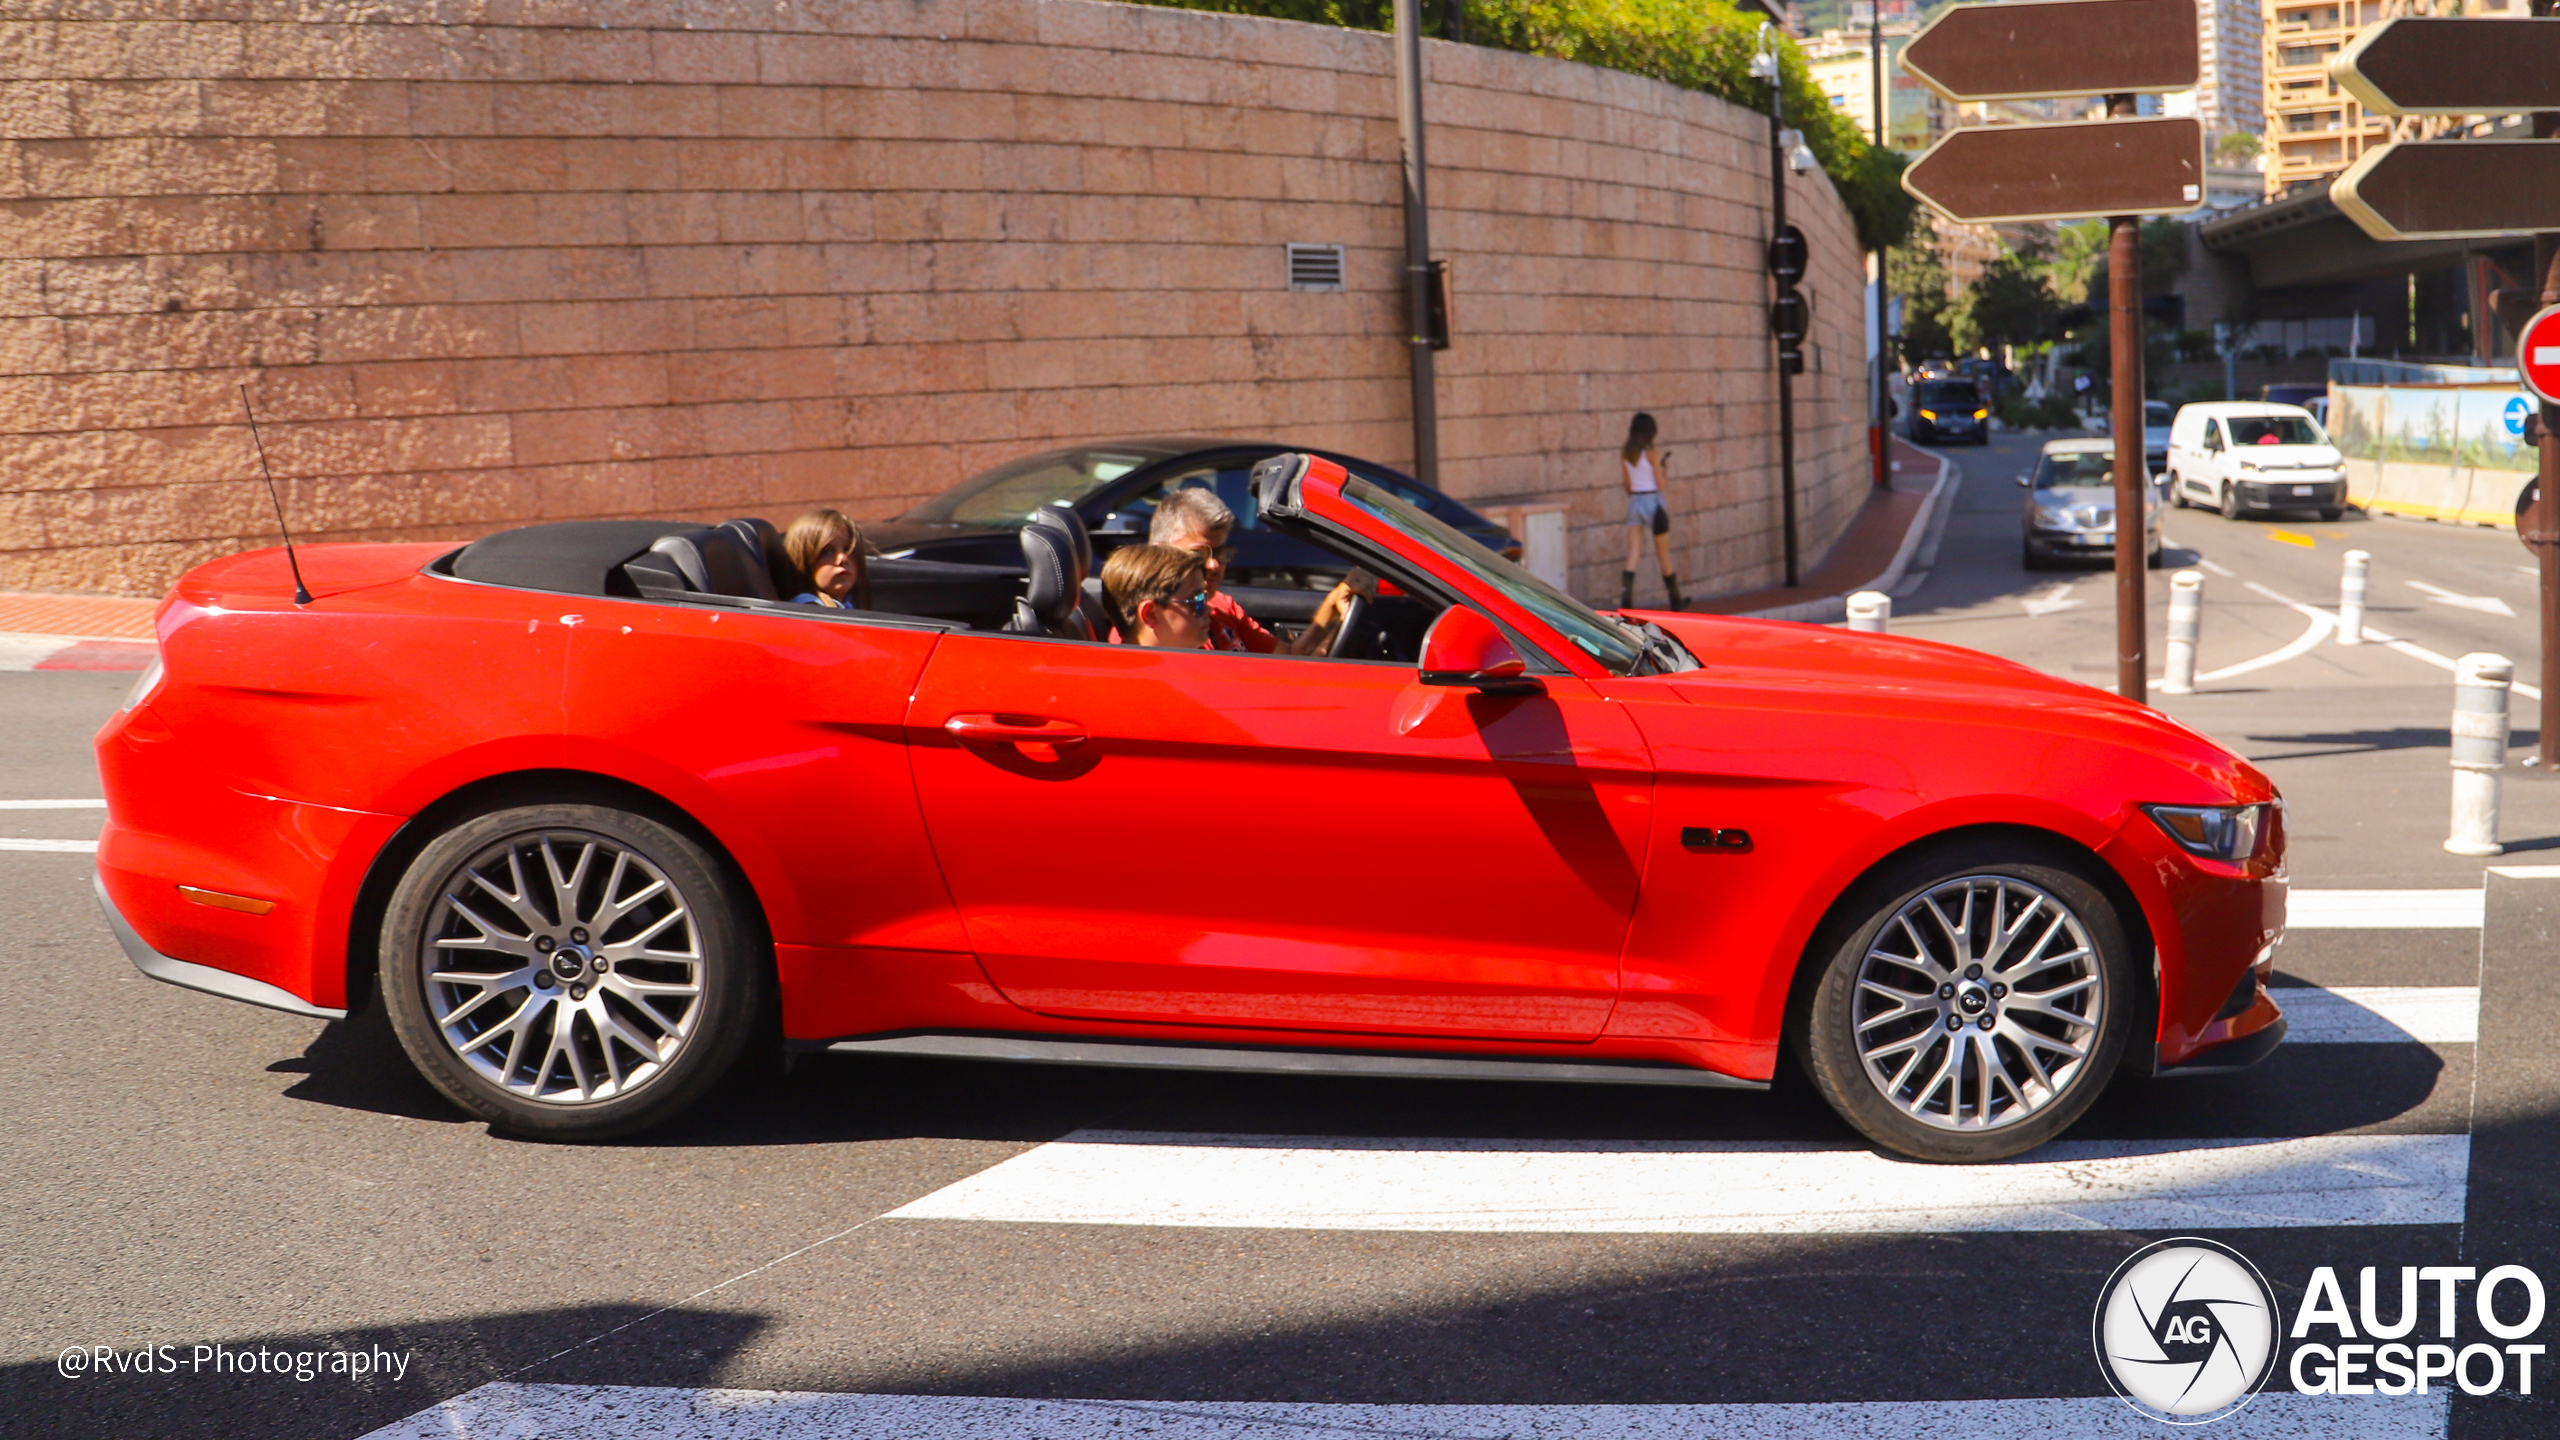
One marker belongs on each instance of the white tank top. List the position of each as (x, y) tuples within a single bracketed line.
[(1640, 479)]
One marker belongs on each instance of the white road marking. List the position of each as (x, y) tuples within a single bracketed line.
[(2056, 599), (2527, 872), (25, 652), (2225, 571), (2384, 909), (53, 804), (2377, 637), (2485, 604), (2381, 1014), (59, 847), (1708, 1187), (505, 1411), (2314, 631)]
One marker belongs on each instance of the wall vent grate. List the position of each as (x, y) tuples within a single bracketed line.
[(1315, 267)]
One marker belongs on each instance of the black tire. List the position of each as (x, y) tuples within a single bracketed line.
[(2177, 492), (2154, 560), (697, 981), (2331, 513), (2230, 505), (2001, 875), (2030, 559)]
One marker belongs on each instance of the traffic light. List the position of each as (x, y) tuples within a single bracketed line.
[(1790, 314)]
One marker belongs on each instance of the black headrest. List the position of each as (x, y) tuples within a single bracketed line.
[(1064, 520), (766, 542), (717, 560), (1056, 582)]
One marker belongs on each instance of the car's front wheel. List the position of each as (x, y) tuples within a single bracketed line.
[(1976, 1008), (569, 972), (2230, 501)]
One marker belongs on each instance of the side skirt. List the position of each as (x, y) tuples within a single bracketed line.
[(1253, 1060)]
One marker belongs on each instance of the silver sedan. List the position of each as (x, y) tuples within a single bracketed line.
[(2070, 514)]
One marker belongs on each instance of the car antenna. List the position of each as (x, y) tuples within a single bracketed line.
[(301, 593)]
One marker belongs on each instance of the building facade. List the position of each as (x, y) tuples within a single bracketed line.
[(2314, 129), (1842, 62)]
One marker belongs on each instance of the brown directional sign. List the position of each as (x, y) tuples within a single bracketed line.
[(2064, 172), (2453, 189), (2032, 49), (2453, 65)]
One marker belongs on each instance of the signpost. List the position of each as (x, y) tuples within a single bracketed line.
[(2464, 189), (2452, 190), (2120, 168), (2045, 172), (2452, 65)]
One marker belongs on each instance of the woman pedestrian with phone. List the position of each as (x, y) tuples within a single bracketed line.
[(1641, 467)]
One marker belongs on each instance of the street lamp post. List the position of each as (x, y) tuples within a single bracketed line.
[(1881, 423), (1764, 63), (1419, 281)]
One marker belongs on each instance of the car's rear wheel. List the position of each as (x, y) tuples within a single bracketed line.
[(2331, 513), (1978, 1007), (569, 972)]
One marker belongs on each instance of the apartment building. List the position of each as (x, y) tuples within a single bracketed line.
[(1842, 67), (2231, 71), (2314, 129)]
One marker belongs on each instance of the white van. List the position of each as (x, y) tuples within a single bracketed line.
[(2240, 456)]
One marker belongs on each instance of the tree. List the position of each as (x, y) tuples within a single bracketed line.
[(2010, 304), (1919, 277), (2235, 150)]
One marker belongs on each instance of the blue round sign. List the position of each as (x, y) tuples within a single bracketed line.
[(2517, 408)]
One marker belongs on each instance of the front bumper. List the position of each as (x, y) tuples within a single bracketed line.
[(2265, 494), (188, 975)]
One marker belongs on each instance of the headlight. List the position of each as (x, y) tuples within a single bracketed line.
[(1980, 414), (2249, 465), (2216, 832), (1928, 414)]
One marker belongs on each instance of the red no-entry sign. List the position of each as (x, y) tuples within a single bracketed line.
[(2538, 354)]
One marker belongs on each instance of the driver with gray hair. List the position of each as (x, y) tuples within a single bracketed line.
[(1195, 519)]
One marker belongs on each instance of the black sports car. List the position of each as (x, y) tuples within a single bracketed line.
[(1114, 488)]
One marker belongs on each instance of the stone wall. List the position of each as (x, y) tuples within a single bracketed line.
[(489, 261)]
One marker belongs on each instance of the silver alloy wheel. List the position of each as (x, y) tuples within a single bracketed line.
[(563, 967), (1978, 1003)]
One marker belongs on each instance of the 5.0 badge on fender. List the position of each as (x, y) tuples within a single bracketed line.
[(2186, 1330)]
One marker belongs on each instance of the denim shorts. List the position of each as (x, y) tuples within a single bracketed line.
[(1645, 508)]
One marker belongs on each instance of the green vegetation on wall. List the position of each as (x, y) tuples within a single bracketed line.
[(1695, 44)]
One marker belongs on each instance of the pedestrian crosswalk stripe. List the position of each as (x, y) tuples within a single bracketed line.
[(1102, 1177), (2384, 909), (2381, 1014), (56, 847), (503, 1411)]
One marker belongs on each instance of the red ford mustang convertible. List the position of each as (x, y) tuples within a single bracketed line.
[(591, 812)]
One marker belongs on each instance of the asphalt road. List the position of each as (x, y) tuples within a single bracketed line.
[(187, 1172)]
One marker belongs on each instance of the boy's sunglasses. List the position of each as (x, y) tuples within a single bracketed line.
[(1198, 604)]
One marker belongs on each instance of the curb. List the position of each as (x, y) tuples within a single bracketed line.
[(1832, 609)]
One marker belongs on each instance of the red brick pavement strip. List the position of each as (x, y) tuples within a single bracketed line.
[(1863, 553), (101, 655), (100, 616)]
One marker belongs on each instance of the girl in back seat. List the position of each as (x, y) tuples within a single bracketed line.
[(824, 549)]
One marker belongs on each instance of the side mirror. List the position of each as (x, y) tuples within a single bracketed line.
[(1466, 650), (2026, 479)]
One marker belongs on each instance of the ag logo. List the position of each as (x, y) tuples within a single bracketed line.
[(2186, 1331)]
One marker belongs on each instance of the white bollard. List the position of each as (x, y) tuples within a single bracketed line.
[(1870, 611), (2480, 683), (2351, 598), (2186, 619)]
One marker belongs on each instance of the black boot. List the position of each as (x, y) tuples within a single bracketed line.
[(1671, 586), (1626, 589)]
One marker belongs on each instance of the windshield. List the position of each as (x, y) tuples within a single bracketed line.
[(1947, 395), (1004, 497), (2157, 414), (1615, 646), (2274, 430), (2078, 467)]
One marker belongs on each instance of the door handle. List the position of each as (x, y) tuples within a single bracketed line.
[(1036, 736)]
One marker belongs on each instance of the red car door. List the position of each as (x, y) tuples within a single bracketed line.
[(1246, 840)]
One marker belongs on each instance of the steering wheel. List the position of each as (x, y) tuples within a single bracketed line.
[(1355, 614)]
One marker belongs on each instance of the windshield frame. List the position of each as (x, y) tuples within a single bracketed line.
[(1617, 648), (940, 509)]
